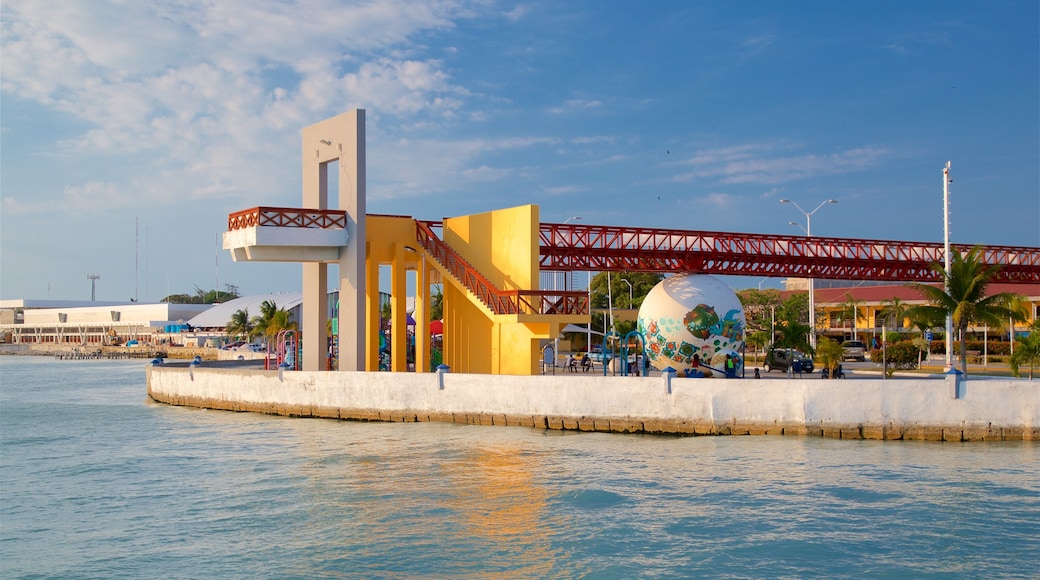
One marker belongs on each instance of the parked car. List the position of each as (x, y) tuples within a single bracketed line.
[(597, 354), (781, 358), (234, 345), (854, 349)]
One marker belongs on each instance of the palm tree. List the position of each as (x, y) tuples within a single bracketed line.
[(268, 308), (280, 320), (1027, 351), (894, 312), (850, 310), (437, 304), (923, 322), (793, 334), (272, 320), (240, 326), (963, 296)]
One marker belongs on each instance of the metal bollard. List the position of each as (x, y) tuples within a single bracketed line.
[(442, 369), (668, 374)]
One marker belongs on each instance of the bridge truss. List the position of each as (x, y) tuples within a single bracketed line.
[(575, 247)]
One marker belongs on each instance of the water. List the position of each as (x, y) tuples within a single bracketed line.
[(96, 482)]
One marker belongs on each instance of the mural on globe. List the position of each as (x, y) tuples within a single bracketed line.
[(680, 322)]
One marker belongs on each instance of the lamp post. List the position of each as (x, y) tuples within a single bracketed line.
[(566, 286), (812, 285), (566, 282), (588, 335), (629, 292)]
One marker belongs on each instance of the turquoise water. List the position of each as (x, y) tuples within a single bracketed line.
[(97, 482)]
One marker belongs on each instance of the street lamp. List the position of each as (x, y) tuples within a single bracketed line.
[(566, 282), (812, 284), (629, 292)]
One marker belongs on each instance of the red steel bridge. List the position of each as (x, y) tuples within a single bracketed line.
[(569, 247)]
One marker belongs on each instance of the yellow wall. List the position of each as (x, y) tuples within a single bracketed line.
[(503, 246)]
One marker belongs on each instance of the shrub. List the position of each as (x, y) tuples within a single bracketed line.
[(899, 355)]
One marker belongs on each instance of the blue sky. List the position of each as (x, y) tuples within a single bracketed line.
[(696, 115)]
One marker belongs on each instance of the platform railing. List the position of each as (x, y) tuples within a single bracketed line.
[(287, 217)]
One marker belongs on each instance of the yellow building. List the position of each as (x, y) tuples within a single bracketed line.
[(834, 318)]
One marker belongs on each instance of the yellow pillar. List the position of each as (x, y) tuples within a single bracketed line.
[(422, 318), (372, 314), (399, 311)]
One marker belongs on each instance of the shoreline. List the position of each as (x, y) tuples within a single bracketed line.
[(905, 409)]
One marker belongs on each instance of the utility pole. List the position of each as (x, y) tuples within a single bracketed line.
[(137, 245), (946, 251), (93, 278)]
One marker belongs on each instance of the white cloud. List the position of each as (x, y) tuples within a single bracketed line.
[(565, 189), (594, 140), (574, 105), (758, 163), (212, 96)]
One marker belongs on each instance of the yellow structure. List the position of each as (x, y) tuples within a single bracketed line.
[(503, 245), (495, 317)]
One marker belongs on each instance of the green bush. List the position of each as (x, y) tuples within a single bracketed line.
[(899, 355), (995, 347)]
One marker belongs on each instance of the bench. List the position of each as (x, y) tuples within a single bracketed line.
[(973, 356)]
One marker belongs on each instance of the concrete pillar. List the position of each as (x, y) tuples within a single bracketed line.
[(315, 315), (315, 275)]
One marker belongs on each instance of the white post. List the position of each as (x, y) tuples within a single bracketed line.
[(884, 354), (946, 252), (588, 335), (985, 345), (1011, 335)]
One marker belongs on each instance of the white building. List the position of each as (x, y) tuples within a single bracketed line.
[(82, 323)]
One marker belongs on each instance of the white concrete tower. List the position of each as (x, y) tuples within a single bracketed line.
[(340, 139)]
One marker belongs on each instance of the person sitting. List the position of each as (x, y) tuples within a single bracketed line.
[(572, 363), (586, 363)]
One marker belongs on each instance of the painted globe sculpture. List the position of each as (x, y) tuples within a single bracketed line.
[(692, 317)]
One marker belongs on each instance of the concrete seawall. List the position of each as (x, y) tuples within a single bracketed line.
[(920, 409)]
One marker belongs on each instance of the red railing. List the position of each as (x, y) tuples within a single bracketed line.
[(287, 217), (497, 300), (568, 247)]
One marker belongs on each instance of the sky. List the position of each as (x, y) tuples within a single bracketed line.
[(130, 130)]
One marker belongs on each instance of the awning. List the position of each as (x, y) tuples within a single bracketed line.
[(581, 329)]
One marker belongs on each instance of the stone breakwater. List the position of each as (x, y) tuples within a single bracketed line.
[(905, 409)]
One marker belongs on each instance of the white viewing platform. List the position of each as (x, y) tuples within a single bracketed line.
[(279, 234)]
